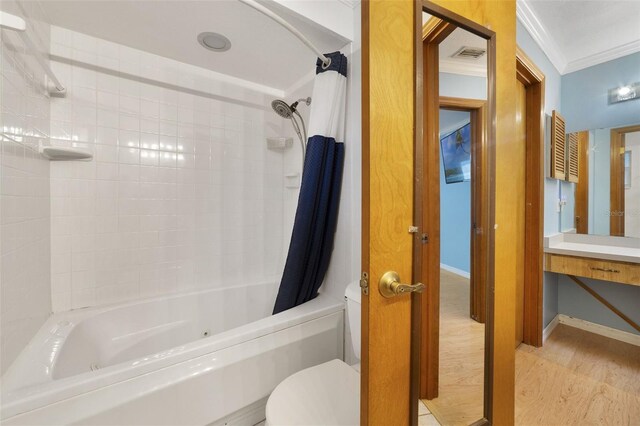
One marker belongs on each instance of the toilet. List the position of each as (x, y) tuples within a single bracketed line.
[(326, 394)]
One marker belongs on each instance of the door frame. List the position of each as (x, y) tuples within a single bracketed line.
[(616, 222), (479, 222), (533, 80), (581, 206), (429, 256)]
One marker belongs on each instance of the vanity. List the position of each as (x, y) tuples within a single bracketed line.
[(607, 258), (602, 238)]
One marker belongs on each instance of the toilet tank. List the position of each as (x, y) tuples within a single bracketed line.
[(353, 295)]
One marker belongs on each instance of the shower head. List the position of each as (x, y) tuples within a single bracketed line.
[(285, 110), (282, 108)]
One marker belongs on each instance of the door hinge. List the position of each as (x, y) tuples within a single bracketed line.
[(364, 283), (413, 229)]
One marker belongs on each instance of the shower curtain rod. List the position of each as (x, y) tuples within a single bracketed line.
[(17, 24), (293, 30)]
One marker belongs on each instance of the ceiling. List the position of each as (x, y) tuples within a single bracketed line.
[(452, 44), (576, 34), (262, 51)]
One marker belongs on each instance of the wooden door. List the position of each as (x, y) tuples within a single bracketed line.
[(582, 186), (521, 141), (388, 119)]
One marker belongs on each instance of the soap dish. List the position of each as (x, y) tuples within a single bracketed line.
[(62, 153)]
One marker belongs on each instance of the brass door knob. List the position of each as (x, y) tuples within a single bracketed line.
[(390, 285)]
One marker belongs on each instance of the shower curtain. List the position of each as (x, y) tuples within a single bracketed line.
[(317, 213)]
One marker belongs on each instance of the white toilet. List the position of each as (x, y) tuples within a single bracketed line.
[(327, 394)]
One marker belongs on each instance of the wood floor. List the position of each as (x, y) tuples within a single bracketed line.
[(577, 378), (460, 393)]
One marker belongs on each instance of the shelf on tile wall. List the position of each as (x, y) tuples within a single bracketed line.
[(61, 153)]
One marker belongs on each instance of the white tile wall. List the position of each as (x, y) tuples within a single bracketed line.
[(24, 188), (182, 192)]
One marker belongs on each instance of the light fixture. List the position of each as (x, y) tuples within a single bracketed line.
[(624, 93), (214, 41)]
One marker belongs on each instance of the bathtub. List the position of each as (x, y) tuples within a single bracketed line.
[(195, 358)]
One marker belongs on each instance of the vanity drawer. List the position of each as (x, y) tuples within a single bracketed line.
[(607, 270)]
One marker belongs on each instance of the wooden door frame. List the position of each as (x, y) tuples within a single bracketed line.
[(429, 255), (581, 215), (534, 82), (616, 221), (477, 286)]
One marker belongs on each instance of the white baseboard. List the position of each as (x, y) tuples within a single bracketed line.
[(550, 327), (602, 330), (456, 271)]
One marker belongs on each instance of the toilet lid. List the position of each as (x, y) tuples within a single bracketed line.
[(327, 394)]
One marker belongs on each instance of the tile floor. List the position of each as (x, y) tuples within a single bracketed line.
[(425, 418)]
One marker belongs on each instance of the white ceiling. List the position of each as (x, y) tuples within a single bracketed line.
[(576, 34), (262, 51), (457, 39)]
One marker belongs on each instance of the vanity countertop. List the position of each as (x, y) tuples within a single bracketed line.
[(594, 246)]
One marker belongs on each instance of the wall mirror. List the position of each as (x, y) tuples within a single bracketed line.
[(607, 194), (456, 161)]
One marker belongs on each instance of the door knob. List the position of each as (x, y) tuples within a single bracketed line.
[(391, 286)]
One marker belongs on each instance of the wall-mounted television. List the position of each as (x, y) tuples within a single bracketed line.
[(456, 154)]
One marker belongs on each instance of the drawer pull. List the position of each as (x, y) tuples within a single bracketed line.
[(605, 270)]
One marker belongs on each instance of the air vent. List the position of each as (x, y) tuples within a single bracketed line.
[(467, 52)]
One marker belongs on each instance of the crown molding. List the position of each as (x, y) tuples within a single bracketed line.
[(540, 35), (601, 57), (458, 67)]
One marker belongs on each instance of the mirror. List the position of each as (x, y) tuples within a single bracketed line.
[(461, 135), (606, 198)]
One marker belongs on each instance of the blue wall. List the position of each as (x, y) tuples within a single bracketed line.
[(585, 95), (455, 205), (455, 198), (463, 86)]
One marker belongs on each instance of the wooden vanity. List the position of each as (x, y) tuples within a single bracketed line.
[(614, 259)]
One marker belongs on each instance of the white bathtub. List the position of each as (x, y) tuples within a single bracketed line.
[(187, 359)]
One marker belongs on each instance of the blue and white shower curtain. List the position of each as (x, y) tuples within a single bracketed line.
[(317, 214)]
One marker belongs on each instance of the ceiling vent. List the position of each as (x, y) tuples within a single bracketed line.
[(467, 52)]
